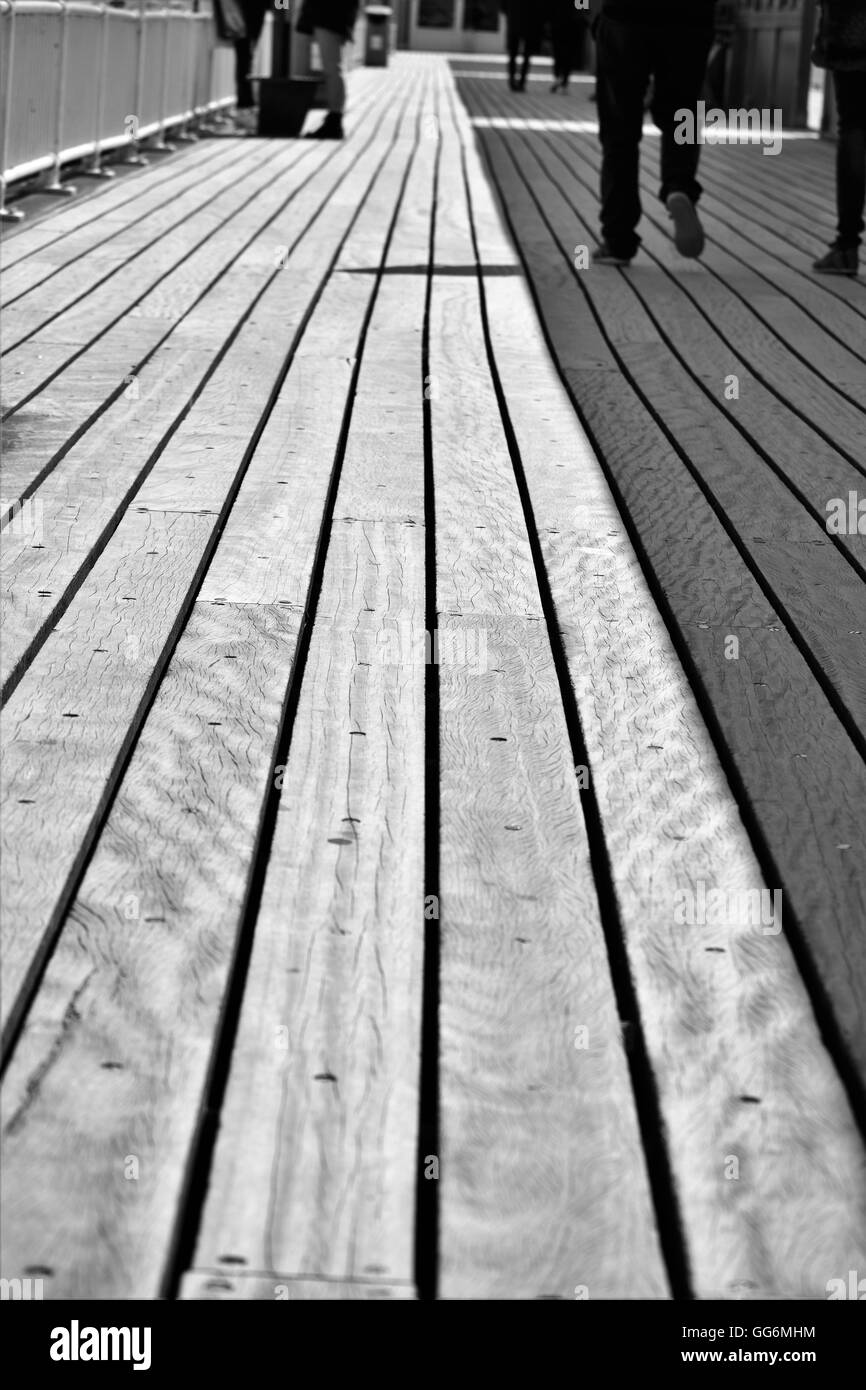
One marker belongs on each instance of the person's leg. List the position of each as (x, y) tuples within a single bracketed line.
[(558, 60), (243, 63), (524, 63), (850, 89), (622, 68), (512, 43), (679, 65), (331, 51)]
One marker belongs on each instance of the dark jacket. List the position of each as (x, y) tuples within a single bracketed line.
[(337, 15), (694, 14), (841, 39)]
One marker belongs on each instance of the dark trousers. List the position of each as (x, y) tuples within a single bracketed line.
[(522, 37), (850, 89), (567, 35), (254, 17), (628, 55)]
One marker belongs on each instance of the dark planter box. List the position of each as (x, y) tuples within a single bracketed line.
[(284, 103)]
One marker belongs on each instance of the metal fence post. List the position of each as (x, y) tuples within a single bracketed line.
[(94, 169), (160, 143), (65, 190), (184, 132), (8, 214), (136, 157)]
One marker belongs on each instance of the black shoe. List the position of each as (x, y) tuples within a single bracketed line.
[(839, 260), (330, 129), (688, 232), (603, 255)]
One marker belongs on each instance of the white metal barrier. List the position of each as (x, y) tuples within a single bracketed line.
[(80, 78)]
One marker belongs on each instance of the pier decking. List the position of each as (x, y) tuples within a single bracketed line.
[(408, 630)]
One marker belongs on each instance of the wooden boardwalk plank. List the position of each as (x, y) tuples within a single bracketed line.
[(81, 500), (240, 391), (28, 239), (80, 301), (225, 1286), (787, 545), (257, 627), (331, 1115), (92, 349), (160, 290), (800, 776), (112, 1062), (204, 297), (524, 970), (22, 276), (723, 1007), (224, 970)]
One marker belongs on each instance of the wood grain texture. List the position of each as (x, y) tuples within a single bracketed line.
[(800, 775), (530, 1035), (20, 275), (315, 1168), (228, 1287), (95, 263), (114, 1057), (723, 1007), (150, 250), (113, 203), (37, 580), (69, 724), (71, 516), (127, 339), (117, 570)]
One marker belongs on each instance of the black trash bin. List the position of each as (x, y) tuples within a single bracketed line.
[(378, 36)]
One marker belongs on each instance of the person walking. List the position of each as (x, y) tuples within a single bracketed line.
[(665, 42), (840, 45), (524, 20), (331, 24), (568, 37)]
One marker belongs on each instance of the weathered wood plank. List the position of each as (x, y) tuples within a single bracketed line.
[(67, 729), (327, 1184), (250, 371), (195, 167), (722, 1006), (240, 717), (163, 305), (524, 968), (28, 239), (79, 302), (114, 338), (798, 772), (217, 1286), (662, 342), (113, 1061)]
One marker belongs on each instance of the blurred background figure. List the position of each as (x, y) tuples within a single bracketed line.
[(568, 36), (840, 45), (331, 23), (240, 21), (524, 21)]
